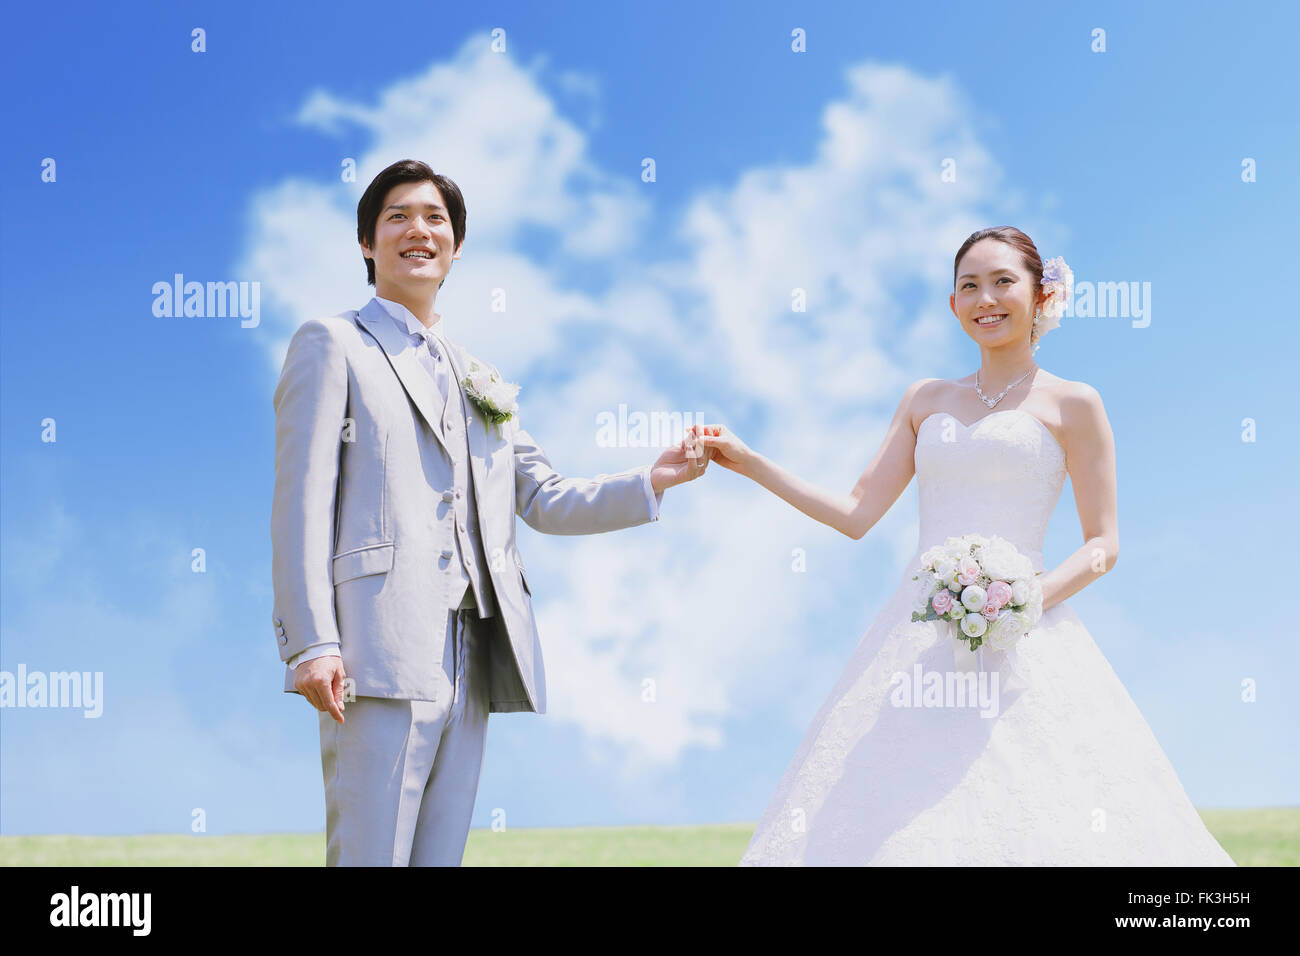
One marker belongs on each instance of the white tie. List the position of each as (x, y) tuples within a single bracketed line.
[(441, 376)]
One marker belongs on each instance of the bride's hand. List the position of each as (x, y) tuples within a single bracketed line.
[(725, 447)]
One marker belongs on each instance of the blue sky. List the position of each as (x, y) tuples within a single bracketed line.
[(774, 169)]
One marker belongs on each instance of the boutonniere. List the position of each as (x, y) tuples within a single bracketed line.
[(495, 398)]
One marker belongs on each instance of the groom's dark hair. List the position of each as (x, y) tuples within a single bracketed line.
[(405, 171)]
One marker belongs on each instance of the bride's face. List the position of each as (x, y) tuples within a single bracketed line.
[(992, 280)]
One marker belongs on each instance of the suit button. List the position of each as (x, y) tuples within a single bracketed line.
[(447, 496), (446, 552), (279, 630), (283, 639), (277, 622), (457, 492)]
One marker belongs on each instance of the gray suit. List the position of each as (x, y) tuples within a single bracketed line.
[(389, 515)]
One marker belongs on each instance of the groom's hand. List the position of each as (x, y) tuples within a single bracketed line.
[(320, 680), (685, 461)]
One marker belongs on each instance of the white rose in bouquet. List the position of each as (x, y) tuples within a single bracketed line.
[(1002, 562), (955, 549), (1006, 630), (1020, 592), (973, 597), (962, 544)]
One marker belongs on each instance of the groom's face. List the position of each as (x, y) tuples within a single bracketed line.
[(412, 218)]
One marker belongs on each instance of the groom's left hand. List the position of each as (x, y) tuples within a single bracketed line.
[(685, 461)]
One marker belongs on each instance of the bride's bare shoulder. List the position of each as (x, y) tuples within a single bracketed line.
[(1079, 404), (1065, 391), (922, 397)]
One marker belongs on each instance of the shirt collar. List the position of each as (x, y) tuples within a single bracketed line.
[(407, 322)]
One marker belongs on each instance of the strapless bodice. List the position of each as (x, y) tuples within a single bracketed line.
[(1000, 475)]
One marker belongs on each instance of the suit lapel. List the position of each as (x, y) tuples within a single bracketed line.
[(401, 355)]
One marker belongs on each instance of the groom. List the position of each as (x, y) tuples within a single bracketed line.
[(398, 585)]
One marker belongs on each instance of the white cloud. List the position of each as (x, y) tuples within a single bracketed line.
[(182, 681), (705, 604), (490, 122), (295, 252)]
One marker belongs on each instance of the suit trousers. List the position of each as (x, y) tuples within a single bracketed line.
[(401, 775)]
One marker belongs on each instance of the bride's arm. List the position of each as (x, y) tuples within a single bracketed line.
[(1090, 461), (853, 514)]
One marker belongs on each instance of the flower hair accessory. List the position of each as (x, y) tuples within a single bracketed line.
[(1058, 280)]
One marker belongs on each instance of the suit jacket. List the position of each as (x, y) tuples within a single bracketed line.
[(361, 524)]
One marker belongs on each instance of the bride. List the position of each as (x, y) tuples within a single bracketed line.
[(1058, 767)]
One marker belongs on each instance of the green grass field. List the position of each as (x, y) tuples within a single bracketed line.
[(1257, 837)]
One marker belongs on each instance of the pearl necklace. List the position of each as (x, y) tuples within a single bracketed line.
[(990, 402)]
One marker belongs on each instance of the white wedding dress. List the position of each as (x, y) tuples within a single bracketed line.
[(1066, 773)]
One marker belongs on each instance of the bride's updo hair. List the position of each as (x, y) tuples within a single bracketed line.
[(1013, 237)]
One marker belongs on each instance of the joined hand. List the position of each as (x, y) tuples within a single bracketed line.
[(724, 447), (685, 461)]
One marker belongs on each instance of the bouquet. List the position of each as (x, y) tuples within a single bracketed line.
[(984, 587)]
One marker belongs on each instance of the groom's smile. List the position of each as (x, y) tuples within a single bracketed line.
[(419, 254)]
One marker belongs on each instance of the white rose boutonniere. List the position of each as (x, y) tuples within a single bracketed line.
[(494, 397)]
